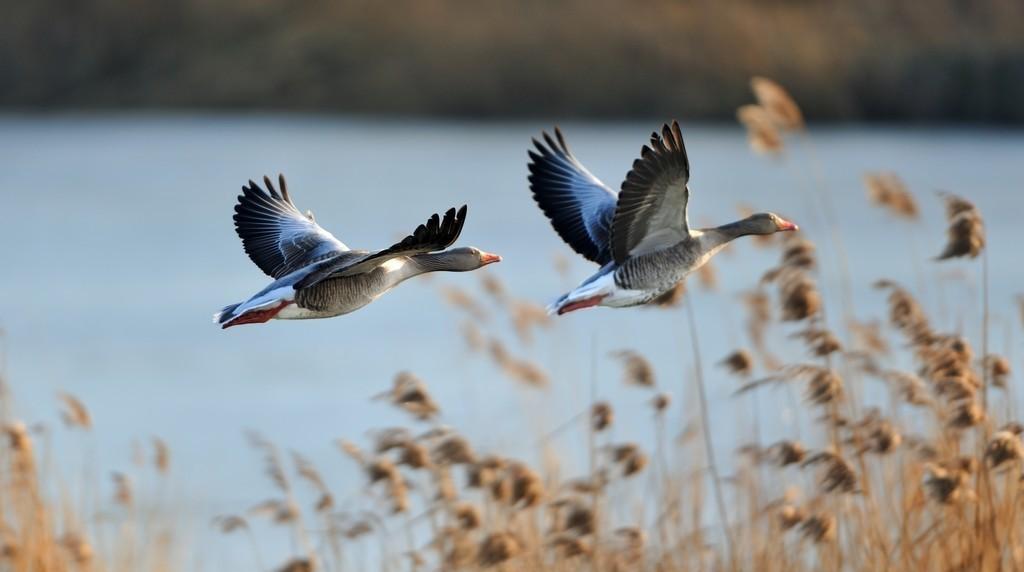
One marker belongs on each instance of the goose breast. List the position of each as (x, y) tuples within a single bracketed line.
[(660, 270), (341, 295)]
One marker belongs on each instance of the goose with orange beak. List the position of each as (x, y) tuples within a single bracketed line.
[(316, 275), (639, 236)]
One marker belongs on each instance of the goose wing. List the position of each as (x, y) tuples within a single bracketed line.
[(578, 204), (275, 235), (431, 236), (651, 212)]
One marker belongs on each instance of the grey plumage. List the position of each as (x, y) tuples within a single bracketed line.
[(316, 275), (600, 224), (660, 270), (640, 236), (651, 212), (337, 295), (435, 234)]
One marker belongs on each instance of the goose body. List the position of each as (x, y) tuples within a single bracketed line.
[(640, 236), (318, 276)]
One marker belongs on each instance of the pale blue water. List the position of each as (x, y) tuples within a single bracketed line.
[(117, 246)]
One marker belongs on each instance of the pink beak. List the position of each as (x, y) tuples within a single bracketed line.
[(785, 225), (488, 258)]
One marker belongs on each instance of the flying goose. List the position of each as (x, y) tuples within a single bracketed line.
[(316, 275), (640, 236)]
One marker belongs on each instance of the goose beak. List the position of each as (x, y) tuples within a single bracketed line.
[(785, 225), (488, 258)]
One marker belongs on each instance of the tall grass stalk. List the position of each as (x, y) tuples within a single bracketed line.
[(709, 449)]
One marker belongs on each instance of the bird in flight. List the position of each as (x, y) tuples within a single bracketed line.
[(316, 275), (639, 236)]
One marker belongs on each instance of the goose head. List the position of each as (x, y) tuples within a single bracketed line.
[(767, 223), (466, 258)]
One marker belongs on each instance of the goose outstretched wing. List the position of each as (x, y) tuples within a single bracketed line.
[(275, 235), (431, 236), (578, 204), (651, 211)]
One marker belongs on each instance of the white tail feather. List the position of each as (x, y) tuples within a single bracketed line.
[(259, 302)]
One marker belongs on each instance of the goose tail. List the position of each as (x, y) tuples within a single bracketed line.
[(554, 307), (226, 313), (258, 309), (592, 292)]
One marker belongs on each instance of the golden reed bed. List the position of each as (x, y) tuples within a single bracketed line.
[(932, 481)]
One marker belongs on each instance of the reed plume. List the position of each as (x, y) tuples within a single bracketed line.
[(161, 456), (498, 548), (819, 528), (837, 475), (762, 134), (410, 394), (887, 190), (948, 483), (661, 402), (601, 416), (780, 107), (739, 363), (637, 370), (75, 413), (1004, 446), (966, 232), (998, 369)]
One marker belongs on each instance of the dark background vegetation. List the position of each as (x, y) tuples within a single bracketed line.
[(950, 60)]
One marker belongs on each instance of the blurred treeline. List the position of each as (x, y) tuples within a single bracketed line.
[(842, 59)]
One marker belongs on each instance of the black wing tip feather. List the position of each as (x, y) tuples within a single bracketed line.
[(561, 141), (550, 142), (548, 158), (550, 146), (665, 149), (436, 233), (671, 137), (255, 202), (270, 192), (282, 184)]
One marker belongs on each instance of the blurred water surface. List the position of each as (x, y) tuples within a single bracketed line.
[(117, 246)]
